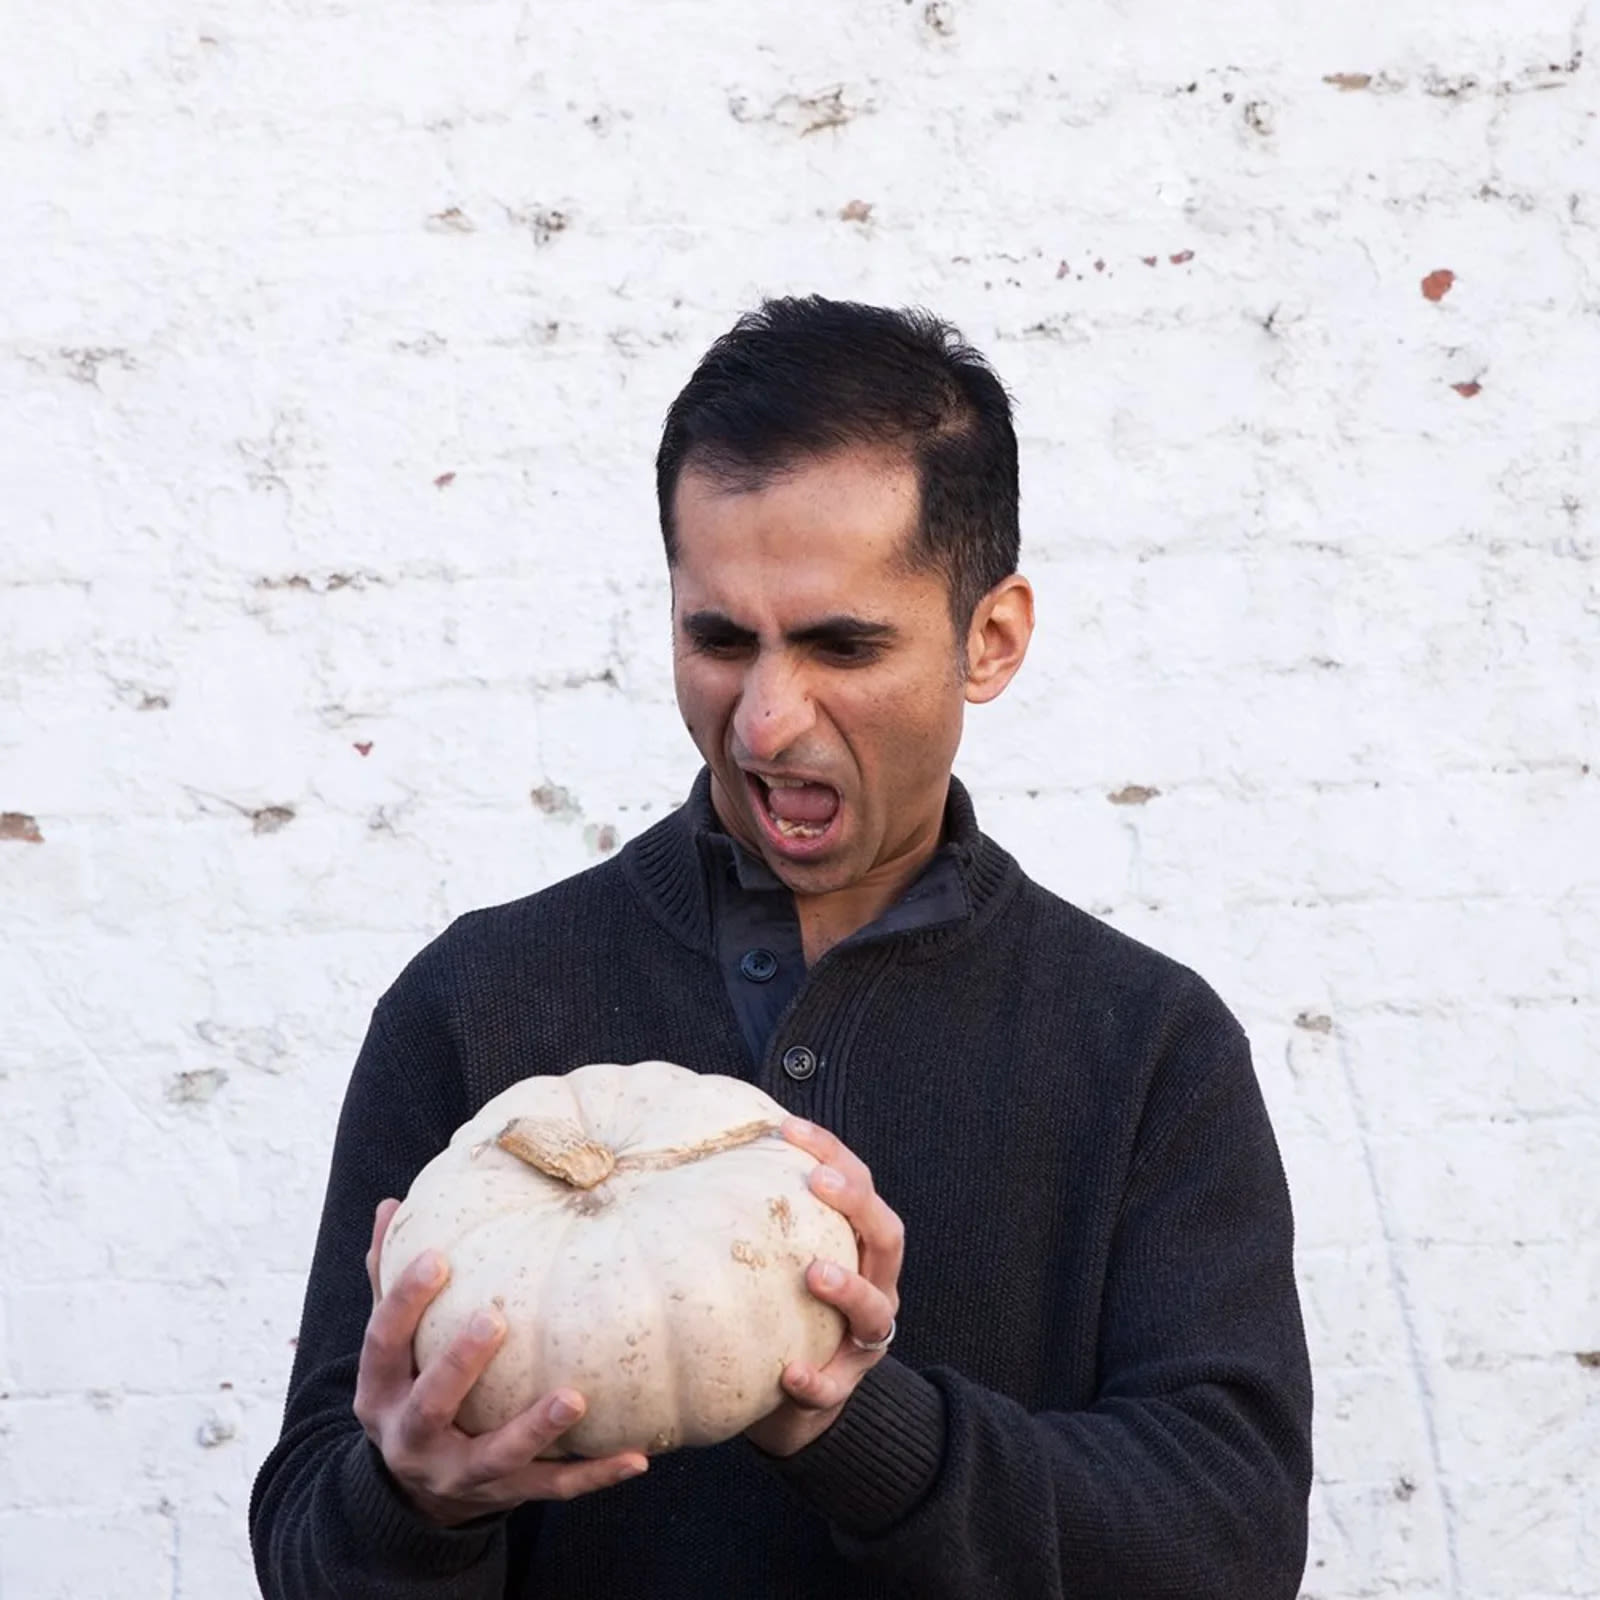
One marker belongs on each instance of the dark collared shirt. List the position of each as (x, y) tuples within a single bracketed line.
[(757, 932)]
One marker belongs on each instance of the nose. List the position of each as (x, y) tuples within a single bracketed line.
[(774, 710)]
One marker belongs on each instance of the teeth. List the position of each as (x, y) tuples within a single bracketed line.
[(797, 830), (784, 783)]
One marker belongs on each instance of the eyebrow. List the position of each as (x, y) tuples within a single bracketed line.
[(841, 629)]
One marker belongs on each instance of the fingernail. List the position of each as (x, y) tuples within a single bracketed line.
[(431, 1266), (829, 1178), (831, 1275), (485, 1325), (562, 1411), (798, 1126), (632, 1470)]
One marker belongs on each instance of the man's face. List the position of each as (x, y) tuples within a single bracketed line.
[(820, 679)]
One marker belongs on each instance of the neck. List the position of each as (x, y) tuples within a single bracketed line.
[(829, 919)]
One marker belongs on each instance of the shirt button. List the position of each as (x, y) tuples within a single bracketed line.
[(799, 1062), (758, 965)]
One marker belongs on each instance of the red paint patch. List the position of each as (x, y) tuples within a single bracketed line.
[(1468, 390), (1181, 257), (1438, 284), (444, 480), (19, 826), (363, 747)]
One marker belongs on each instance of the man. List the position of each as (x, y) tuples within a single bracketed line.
[(1097, 1385)]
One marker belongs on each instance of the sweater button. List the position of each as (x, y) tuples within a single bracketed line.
[(759, 966), (799, 1062)]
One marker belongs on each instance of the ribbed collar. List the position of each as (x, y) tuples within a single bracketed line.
[(665, 867)]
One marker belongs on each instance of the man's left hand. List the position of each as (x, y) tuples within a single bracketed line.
[(868, 1299)]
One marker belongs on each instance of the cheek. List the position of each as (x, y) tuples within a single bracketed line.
[(699, 695), (904, 733)]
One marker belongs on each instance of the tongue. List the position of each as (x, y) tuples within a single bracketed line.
[(815, 803)]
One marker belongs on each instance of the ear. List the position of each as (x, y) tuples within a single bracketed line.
[(997, 638)]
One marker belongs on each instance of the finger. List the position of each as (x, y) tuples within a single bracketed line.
[(828, 1148), (386, 1348), (380, 1226), (883, 1243), (444, 1383), (851, 1194), (566, 1480), (818, 1388), (515, 1444), (869, 1310)]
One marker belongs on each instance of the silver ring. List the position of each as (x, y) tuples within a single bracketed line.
[(878, 1346)]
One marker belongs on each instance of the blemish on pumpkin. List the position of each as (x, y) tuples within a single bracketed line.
[(1181, 258), (746, 1254), (782, 1213), (1349, 81), (444, 480), (1133, 794), (1438, 284), (1588, 1358), (856, 211), (1468, 390), (1314, 1022), (1150, 261), (363, 747), (20, 827)]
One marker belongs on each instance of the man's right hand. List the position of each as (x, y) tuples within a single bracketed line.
[(451, 1476)]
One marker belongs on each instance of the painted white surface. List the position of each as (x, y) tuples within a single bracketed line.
[(334, 342)]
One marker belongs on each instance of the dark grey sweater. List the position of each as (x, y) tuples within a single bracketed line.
[(1100, 1388)]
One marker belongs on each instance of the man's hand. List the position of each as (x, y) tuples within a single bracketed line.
[(450, 1476), (869, 1299)]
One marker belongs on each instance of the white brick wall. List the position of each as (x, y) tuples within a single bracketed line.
[(333, 343)]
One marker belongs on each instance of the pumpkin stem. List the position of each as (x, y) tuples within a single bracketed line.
[(558, 1149), (681, 1155)]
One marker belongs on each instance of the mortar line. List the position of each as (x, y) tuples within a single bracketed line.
[(1400, 1285)]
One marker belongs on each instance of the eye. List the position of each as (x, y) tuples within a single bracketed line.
[(723, 646), (851, 652)]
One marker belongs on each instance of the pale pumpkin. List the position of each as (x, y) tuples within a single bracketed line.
[(645, 1231)]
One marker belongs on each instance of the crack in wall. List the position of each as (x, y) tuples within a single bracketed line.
[(1400, 1286)]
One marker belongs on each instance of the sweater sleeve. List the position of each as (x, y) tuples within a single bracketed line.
[(326, 1519), (1189, 1474)]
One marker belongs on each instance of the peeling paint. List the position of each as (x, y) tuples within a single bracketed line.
[(270, 819), (555, 801), (451, 220), (196, 1087)]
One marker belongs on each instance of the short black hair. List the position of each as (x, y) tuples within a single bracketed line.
[(803, 377)]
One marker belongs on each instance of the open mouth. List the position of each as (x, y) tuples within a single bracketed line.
[(797, 815)]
